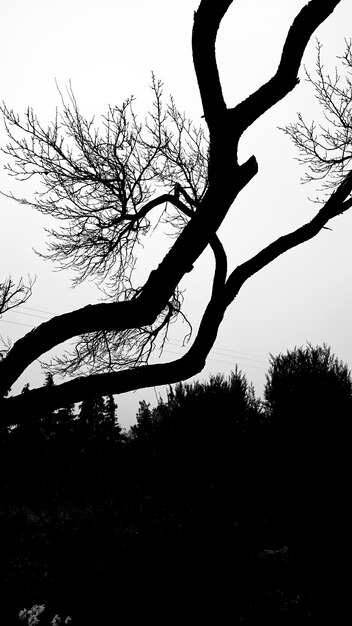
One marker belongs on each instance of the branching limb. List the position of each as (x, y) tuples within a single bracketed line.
[(112, 316), (137, 377), (206, 24), (100, 184), (286, 76), (141, 376), (105, 351)]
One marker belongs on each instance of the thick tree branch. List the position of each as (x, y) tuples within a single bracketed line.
[(17, 407), (220, 265), (206, 24), (143, 310), (286, 77), (194, 360), (222, 183), (335, 205), (111, 316)]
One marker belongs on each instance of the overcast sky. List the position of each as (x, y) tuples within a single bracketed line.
[(107, 49)]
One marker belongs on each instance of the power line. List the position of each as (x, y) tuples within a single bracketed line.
[(28, 308), (210, 358), (217, 350), (170, 339), (231, 352), (16, 323), (30, 314)]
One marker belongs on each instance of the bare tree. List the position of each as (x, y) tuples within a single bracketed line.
[(103, 186)]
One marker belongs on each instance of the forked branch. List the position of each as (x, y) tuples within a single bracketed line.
[(111, 187)]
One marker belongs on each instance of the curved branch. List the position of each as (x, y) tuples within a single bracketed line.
[(111, 316), (15, 409), (143, 310), (151, 204), (335, 205), (220, 265), (138, 377), (206, 24), (286, 77)]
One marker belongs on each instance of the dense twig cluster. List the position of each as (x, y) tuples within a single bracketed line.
[(326, 148), (101, 182), (13, 295)]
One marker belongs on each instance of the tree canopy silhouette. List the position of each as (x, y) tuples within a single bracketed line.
[(308, 396), (309, 390), (103, 184)]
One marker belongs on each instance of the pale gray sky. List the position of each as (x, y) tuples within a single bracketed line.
[(108, 50)]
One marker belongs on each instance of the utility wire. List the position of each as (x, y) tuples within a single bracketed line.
[(177, 343)]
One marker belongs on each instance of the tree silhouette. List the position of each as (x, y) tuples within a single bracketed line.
[(105, 184), (308, 393), (205, 433), (97, 419), (308, 397)]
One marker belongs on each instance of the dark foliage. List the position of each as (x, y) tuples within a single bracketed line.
[(308, 397), (195, 509), (308, 392)]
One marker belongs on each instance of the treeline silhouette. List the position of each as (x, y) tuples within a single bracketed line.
[(214, 501)]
